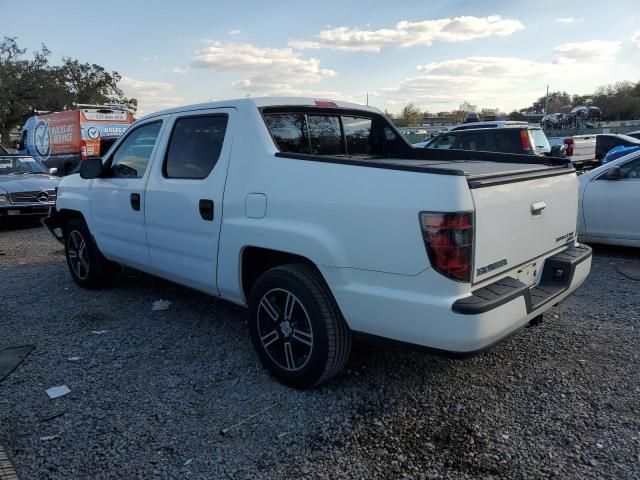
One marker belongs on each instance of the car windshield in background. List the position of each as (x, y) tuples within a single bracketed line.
[(20, 165)]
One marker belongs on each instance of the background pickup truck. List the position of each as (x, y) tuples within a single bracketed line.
[(325, 222), (581, 149)]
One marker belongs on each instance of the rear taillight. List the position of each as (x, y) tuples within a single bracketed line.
[(83, 150), (525, 140), (569, 143), (449, 241)]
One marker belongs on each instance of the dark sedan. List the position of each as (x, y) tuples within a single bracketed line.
[(26, 187)]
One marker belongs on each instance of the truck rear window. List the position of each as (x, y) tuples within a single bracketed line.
[(319, 134)]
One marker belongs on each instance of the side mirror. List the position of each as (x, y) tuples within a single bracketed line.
[(53, 171), (614, 173), (558, 151), (91, 168)]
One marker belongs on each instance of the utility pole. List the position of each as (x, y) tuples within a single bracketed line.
[(367, 99), (546, 100)]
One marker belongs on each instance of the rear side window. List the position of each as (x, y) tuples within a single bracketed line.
[(357, 132), (508, 141), (325, 134), (194, 147), (289, 130)]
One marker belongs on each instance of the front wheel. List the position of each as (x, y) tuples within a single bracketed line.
[(88, 267), (296, 326)]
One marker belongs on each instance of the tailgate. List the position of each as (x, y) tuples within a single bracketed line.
[(518, 222)]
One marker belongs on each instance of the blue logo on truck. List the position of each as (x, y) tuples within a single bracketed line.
[(42, 139)]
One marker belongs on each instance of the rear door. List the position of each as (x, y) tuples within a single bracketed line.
[(518, 222), (184, 197), (610, 207)]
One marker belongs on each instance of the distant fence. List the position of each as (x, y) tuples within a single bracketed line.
[(570, 132)]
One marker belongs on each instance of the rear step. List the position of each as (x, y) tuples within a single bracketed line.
[(557, 275)]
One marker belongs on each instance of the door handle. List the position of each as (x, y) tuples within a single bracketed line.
[(537, 208), (206, 209), (135, 201)]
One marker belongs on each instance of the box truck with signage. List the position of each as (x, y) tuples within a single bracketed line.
[(61, 140)]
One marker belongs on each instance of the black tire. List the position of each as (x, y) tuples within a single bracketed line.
[(88, 267), (318, 337)]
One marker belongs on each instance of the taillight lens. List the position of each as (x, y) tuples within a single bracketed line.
[(449, 241), (569, 143), (83, 150), (525, 140)]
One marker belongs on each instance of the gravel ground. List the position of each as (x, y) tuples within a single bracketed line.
[(150, 396)]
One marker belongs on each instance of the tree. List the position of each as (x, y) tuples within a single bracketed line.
[(32, 83), (25, 84), (92, 84), (466, 107), (410, 116), (515, 115), (557, 102)]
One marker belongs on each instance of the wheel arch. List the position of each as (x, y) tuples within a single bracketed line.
[(254, 261)]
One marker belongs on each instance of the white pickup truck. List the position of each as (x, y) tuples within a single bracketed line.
[(325, 222)]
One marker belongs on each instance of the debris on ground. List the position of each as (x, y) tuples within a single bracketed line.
[(158, 305), (73, 359), (224, 431), (188, 462), (11, 357), (50, 437), (99, 332), (59, 391)]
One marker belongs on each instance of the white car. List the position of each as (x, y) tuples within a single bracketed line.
[(609, 199), (322, 219)]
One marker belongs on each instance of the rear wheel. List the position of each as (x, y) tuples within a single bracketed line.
[(296, 326), (88, 267)]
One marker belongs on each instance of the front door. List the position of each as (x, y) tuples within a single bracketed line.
[(184, 198), (611, 206), (117, 200)]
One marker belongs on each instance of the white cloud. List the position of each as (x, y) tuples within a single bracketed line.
[(636, 38), (179, 71), (152, 96), (407, 34), (235, 31), (151, 58), (590, 51), (568, 20), (266, 69), (478, 67)]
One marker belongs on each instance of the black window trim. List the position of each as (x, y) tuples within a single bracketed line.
[(108, 164), (173, 127)]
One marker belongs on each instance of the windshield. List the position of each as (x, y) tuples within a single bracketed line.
[(20, 165)]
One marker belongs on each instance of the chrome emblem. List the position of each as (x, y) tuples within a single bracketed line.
[(42, 197)]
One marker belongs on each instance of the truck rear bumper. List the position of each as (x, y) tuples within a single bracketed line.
[(461, 325)]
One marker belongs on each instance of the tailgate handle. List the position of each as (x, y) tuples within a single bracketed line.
[(537, 208)]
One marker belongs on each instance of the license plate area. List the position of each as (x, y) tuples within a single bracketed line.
[(527, 274)]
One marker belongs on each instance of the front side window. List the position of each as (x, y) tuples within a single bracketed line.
[(325, 135), (195, 146), (631, 170), (443, 142), (133, 154)]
